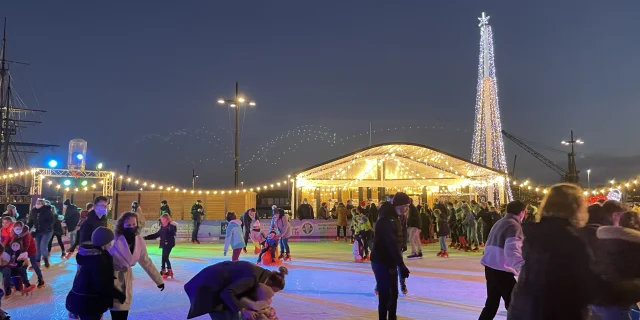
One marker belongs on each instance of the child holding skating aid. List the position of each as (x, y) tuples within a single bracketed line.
[(257, 237), (271, 245), (17, 260), (167, 235)]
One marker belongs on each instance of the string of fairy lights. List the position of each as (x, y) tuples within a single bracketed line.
[(629, 185)]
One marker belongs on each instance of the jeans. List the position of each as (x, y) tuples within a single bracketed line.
[(443, 243), (42, 245), (60, 243), (414, 239), (387, 290), (472, 235), (7, 273), (72, 237), (610, 313), (499, 285), (196, 228), (284, 245), (36, 266), (165, 258)]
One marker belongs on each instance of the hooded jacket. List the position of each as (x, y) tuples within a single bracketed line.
[(388, 240), (617, 254), (41, 219), (234, 236), (72, 217), (166, 234), (197, 212), (503, 249), (93, 290), (414, 220), (284, 227), (90, 224)]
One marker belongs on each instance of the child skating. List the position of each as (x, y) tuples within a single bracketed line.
[(443, 232), (284, 232), (234, 237), (257, 237), (16, 257), (167, 235), (271, 245)]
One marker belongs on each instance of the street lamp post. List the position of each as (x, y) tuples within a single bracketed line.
[(589, 178), (193, 179), (236, 104)]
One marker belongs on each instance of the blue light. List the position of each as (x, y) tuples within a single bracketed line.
[(79, 156), (53, 164), (67, 183)]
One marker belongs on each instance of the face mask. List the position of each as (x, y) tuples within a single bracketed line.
[(65, 206), (100, 211), (38, 206), (17, 231)]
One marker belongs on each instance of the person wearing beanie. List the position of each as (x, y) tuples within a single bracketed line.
[(257, 236), (135, 207), (164, 208), (197, 214), (386, 254), (167, 235), (71, 219), (93, 290)]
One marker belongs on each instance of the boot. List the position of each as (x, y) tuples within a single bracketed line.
[(475, 249), (63, 256), (445, 254), (256, 251), (26, 290), (287, 257), (419, 254), (69, 254), (46, 263), (244, 250), (162, 272), (351, 241), (280, 256), (40, 283), (440, 253), (168, 274), (198, 241), (412, 256)]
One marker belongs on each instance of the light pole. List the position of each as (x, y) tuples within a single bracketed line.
[(193, 179), (572, 175), (235, 103), (588, 178)]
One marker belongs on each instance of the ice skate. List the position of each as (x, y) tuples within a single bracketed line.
[(403, 288), (168, 274), (69, 255), (337, 239), (475, 249), (63, 256), (412, 256), (46, 263), (346, 239), (40, 283), (452, 245), (445, 254), (256, 251), (162, 272), (440, 253), (420, 255), (197, 241), (287, 257), (366, 257), (27, 290)]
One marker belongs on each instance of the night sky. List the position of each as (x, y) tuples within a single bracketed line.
[(139, 81)]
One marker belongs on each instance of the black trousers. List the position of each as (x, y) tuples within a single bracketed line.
[(344, 230), (499, 285), (387, 290), (246, 238), (196, 228), (119, 315), (165, 257), (60, 243)]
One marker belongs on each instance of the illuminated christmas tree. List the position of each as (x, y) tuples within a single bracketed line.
[(488, 145)]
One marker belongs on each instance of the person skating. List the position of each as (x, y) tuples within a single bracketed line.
[(364, 235), (342, 213), (7, 228), (197, 212), (16, 256), (502, 259), (455, 241), (128, 250), (71, 218), (31, 248), (12, 211), (386, 255), (484, 217), (247, 218), (83, 216), (167, 235), (233, 236), (218, 289), (414, 228), (58, 231), (443, 232), (470, 224), (271, 245), (372, 214), (257, 236), (283, 227), (41, 226), (424, 225), (93, 290), (405, 239), (354, 223), (164, 208)]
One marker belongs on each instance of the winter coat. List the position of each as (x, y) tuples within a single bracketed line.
[(197, 212), (363, 226), (123, 261), (284, 227), (16, 258), (234, 236), (617, 255), (26, 239), (305, 211), (41, 219), (405, 236), (72, 217), (440, 206), (414, 220), (91, 223), (485, 216), (221, 286), (166, 234), (556, 281), (388, 240), (323, 213), (165, 209), (5, 235), (57, 224), (443, 226), (342, 215), (373, 213), (247, 221), (93, 290), (469, 219)]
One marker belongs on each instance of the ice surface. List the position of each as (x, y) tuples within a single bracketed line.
[(323, 283)]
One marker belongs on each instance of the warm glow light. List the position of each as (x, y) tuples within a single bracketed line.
[(240, 99), (221, 101)]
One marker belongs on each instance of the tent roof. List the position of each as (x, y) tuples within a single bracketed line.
[(398, 164)]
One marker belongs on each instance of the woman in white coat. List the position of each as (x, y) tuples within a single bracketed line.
[(127, 250)]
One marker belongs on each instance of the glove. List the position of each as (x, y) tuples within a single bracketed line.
[(404, 272), (161, 286)]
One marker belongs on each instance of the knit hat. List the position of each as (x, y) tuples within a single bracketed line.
[(401, 199), (163, 201), (101, 236), (67, 202), (256, 224)]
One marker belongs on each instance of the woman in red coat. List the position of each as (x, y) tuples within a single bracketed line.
[(5, 232), (30, 244)]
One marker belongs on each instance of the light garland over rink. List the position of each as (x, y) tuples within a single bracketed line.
[(630, 184)]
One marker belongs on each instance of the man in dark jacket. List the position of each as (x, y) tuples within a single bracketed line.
[(164, 208), (97, 217), (414, 227), (305, 211), (197, 211), (484, 215), (71, 218), (386, 254), (247, 219)]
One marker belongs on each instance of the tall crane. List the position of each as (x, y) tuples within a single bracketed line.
[(570, 175)]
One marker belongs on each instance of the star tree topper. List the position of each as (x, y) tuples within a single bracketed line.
[(484, 20)]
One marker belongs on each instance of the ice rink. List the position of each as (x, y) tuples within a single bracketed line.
[(323, 283)]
